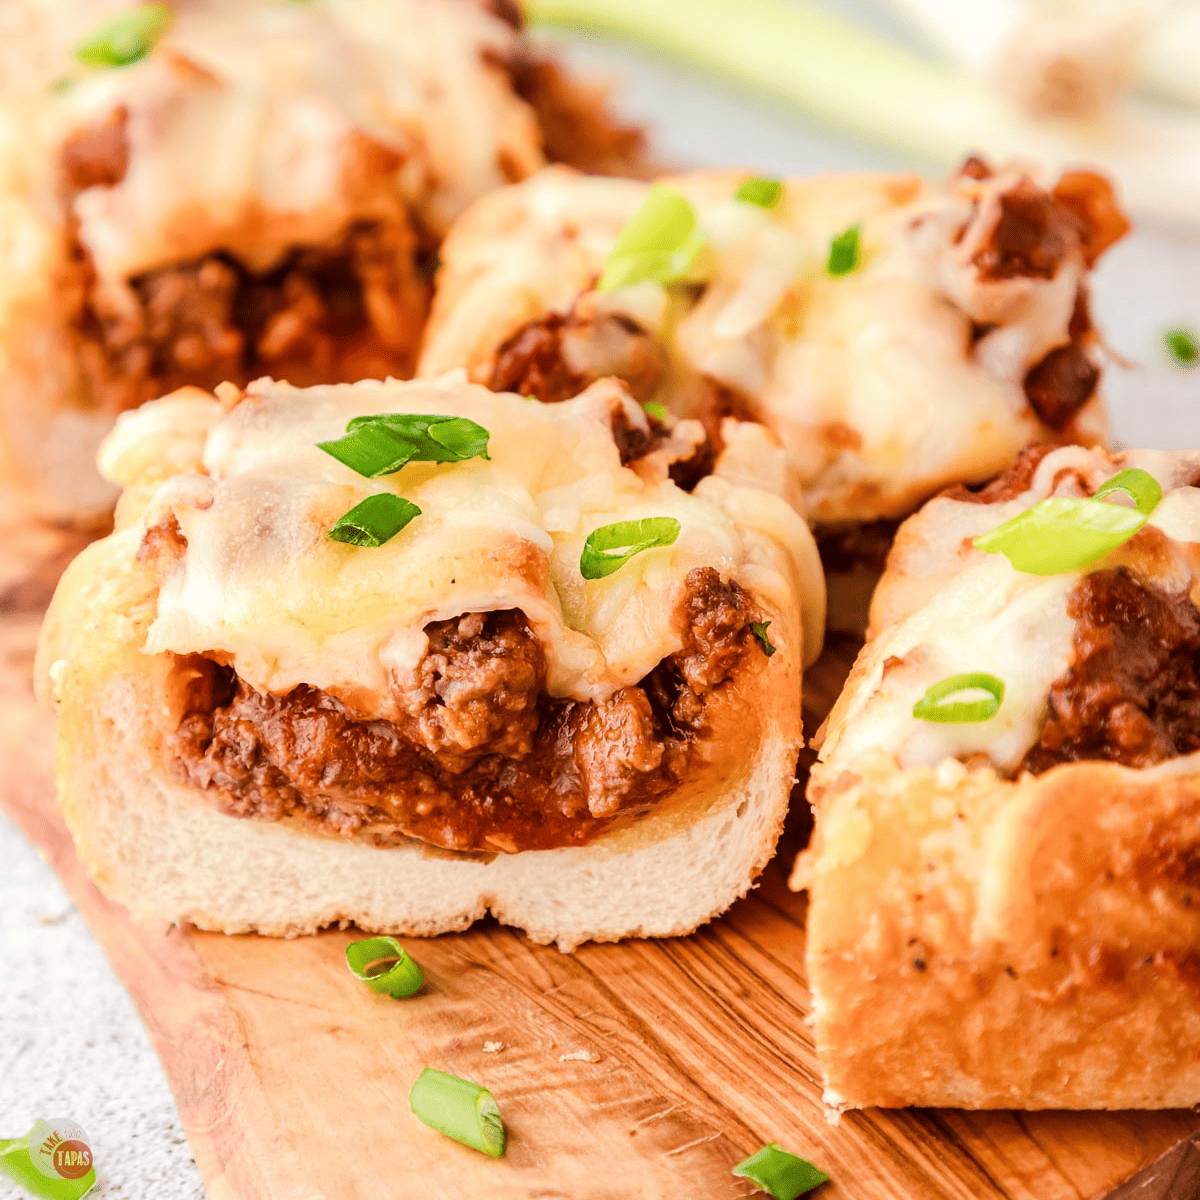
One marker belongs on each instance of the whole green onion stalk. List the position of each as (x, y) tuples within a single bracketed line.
[(855, 81)]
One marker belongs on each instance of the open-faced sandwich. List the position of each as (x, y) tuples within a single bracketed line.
[(1004, 881), (896, 335), (401, 654), (229, 189)]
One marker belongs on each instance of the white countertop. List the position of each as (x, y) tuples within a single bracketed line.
[(70, 1041)]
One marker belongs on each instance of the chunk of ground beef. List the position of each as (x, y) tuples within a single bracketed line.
[(482, 759), (530, 363), (1132, 692), (477, 685), (632, 441), (555, 357), (716, 615), (1031, 237), (1066, 379)]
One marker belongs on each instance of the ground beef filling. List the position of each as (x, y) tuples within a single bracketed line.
[(1067, 378), (1132, 694), (350, 310), (333, 314), (554, 358), (1032, 237), (482, 759)]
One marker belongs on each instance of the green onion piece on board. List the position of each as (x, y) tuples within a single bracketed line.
[(844, 252), (375, 520), (759, 629), (385, 967), (766, 193), (610, 547), (383, 443), (1061, 534), (461, 1110), (779, 1173), (938, 703), (1183, 346), (659, 243), (1142, 488), (126, 37), (652, 408)]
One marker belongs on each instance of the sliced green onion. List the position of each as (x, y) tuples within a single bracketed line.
[(1183, 346), (1142, 488), (779, 1173), (383, 443), (759, 629), (461, 1110), (844, 252), (385, 967), (610, 547), (461, 438), (371, 450), (652, 408), (1061, 534), (375, 520), (766, 193), (658, 244), (126, 37), (938, 705)]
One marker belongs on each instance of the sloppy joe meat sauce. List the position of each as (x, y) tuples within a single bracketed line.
[(1132, 693), (349, 310), (481, 758)]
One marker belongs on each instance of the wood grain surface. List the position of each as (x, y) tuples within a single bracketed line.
[(639, 1070)]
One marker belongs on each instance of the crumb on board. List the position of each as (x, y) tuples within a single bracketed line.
[(580, 1056), (492, 1047)]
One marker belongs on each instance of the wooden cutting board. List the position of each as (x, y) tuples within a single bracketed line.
[(638, 1071)]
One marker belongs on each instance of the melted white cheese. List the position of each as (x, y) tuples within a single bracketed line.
[(873, 380), (246, 126), (261, 583), (990, 619), (966, 611)]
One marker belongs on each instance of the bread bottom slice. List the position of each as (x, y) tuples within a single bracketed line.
[(163, 849), (164, 854), (976, 942)]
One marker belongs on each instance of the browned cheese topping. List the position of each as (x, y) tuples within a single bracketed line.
[(1132, 694), (482, 759)]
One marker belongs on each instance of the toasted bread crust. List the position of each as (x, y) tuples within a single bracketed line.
[(975, 942)]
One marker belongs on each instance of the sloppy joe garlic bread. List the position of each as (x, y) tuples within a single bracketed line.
[(260, 188), (1004, 905), (896, 335), (560, 689)]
